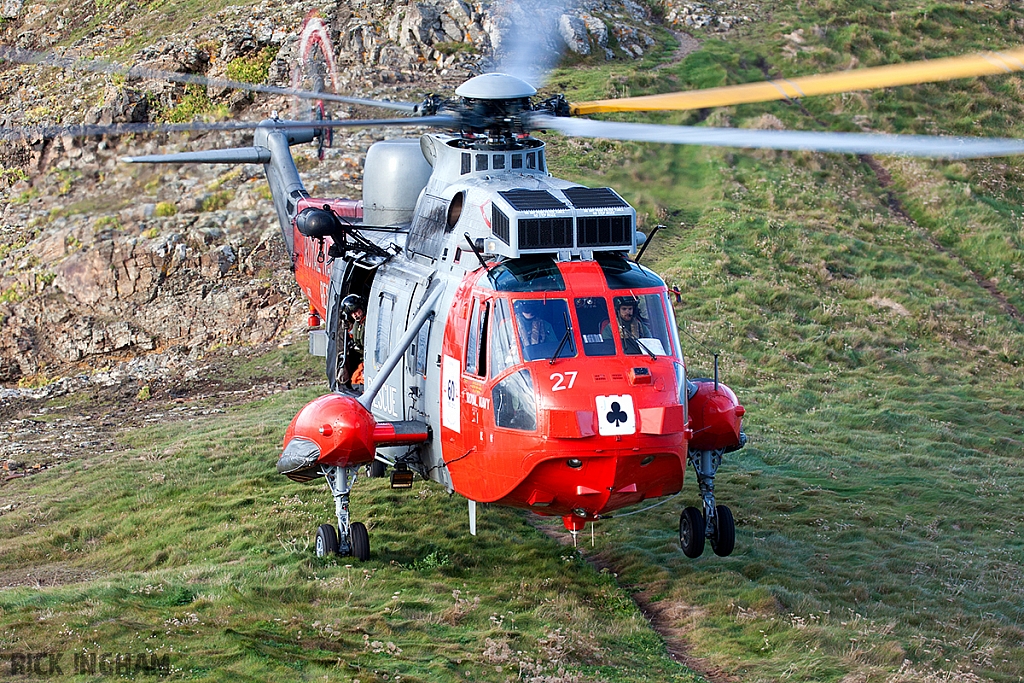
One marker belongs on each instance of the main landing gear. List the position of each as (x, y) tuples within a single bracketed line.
[(350, 538), (715, 523)]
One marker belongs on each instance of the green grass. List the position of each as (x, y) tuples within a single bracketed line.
[(252, 69)]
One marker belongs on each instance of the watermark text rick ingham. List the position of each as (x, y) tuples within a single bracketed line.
[(55, 664)]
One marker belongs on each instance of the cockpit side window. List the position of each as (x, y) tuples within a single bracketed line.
[(504, 349), (543, 325), (641, 325), (592, 312), (476, 349), (514, 404)]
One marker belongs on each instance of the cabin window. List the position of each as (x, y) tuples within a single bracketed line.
[(481, 162), (592, 312), (499, 162), (467, 163), (531, 160), (641, 325), (476, 349), (384, 315), (514, 404), (517, 161), (504, 349), (544, 328), (419, 350)]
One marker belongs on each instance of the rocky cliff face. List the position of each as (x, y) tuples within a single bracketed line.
[(102, 261)]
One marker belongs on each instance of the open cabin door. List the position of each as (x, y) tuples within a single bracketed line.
[(348, 276)]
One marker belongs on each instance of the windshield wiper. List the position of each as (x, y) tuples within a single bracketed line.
[(565, 338), (645, 349)]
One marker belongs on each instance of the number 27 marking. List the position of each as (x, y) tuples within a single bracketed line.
[(559, 378)]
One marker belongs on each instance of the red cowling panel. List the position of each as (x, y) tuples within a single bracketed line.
[(340, 426), (661, 419), (714, 417)]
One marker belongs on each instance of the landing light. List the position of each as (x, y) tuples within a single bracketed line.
[(575, 463), (647, 461)]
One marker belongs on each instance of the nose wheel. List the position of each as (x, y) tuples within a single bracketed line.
[(351, 538), (716, 522)]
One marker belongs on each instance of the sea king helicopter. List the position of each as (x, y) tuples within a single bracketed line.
[(513, 351)]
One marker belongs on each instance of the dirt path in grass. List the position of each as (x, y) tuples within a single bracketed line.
[(666, 617), (898, 210), (687, 44)]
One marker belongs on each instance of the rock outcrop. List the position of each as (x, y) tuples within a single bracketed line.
[(101, 260)]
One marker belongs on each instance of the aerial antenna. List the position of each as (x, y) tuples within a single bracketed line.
[(650, 238)]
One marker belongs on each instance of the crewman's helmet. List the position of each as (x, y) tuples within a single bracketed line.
[(352, 303)]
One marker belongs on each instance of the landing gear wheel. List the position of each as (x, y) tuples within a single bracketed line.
[(723, 540), (378, 469), (326, 540), (691, 532), (360, 541)]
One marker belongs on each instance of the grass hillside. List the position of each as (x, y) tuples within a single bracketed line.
[(869, 316), (187, 546)]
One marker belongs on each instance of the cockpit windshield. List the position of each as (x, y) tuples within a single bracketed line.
[(542, 325), (641, 325), (629, 324)]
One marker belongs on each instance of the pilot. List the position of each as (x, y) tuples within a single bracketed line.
[(631, 326), (354, 308), (533, 329)]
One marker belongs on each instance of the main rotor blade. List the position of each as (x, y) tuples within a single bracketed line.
[(850, 143), (44, 132), (20, 56), (912, 73)]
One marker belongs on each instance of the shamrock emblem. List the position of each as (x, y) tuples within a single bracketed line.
[(617, 415)]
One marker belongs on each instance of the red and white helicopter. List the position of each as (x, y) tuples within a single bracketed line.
[(513, 352)]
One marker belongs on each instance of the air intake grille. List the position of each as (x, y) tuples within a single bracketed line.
[(499, 224), (604, 231), (594, 198), (532, 200), (545, 233)]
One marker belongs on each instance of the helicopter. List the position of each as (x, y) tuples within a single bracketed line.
[(514, 349), (496, 359)]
